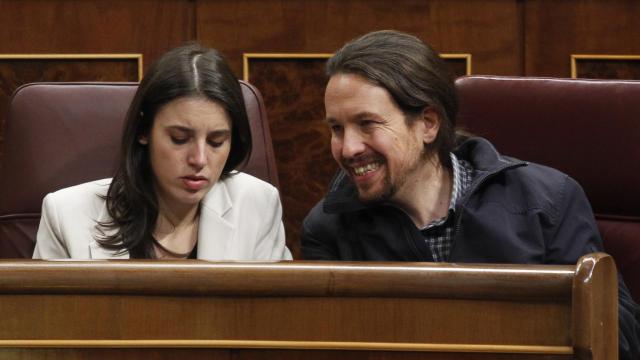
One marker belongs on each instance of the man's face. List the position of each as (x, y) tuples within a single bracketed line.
[(370, 138)]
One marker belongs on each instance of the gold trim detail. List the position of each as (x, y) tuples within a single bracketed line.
[(576, 57), (466, 57), (288, 345), (248, 56), (137, 57)]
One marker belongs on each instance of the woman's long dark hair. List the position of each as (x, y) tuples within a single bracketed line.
[(187, 71)]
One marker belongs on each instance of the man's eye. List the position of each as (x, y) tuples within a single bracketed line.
[(366, 123), (336, 128), (178, 140)]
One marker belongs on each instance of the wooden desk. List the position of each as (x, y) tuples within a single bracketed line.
[(307, 310)]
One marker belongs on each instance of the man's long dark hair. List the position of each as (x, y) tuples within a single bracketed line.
[(411, 71), (187, 71)]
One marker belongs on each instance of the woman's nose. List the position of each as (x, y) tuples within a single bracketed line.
[(197, 155)]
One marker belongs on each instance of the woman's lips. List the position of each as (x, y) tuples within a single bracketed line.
[(194, 182)]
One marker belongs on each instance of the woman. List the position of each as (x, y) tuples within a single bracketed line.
[(175, 194)]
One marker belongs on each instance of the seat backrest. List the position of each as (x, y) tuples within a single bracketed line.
[(61, 134), (589, 129)]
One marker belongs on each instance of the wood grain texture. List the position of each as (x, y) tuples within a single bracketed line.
[(556, 29), (237, 354), (489, 30), (293, 91), (280, 310), (194, 277), (93, 26)]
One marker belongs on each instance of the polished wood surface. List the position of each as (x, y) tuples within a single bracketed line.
[(282, 310), (595, 308)]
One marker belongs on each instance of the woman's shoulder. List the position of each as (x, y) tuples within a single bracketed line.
[(86, 193)]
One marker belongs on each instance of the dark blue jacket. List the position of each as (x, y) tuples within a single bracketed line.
[(513, 212)]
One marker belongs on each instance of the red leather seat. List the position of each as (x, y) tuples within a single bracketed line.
[(589, 129), (61, 134)]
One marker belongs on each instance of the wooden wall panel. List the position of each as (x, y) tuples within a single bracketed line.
[(94, 26), (489, 30), (293, 91), (554, 30)]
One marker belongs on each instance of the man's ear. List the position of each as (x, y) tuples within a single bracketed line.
[(143, 140), (430, 120)]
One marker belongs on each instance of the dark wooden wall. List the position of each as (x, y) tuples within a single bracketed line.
[(504, 37)]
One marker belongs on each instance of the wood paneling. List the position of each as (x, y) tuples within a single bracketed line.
[(293, 91), (489, 30), (375, 309), (554, 30), (247, 354), (94, 26)]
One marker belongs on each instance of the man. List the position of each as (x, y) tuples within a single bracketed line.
[(411, 189)]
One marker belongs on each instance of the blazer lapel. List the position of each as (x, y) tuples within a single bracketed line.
[(215, 233)]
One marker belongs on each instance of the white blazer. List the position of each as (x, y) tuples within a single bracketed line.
[(240, 219)]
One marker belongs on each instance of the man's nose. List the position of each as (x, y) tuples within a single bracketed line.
[(352, 144)]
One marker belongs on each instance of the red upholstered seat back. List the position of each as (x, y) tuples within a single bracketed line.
[(589, 129), (61, 134)]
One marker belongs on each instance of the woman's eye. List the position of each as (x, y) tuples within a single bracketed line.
[(215, 144), (336, 128), (178, 140)]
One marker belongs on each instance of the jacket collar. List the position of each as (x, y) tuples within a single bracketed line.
[(485, 159)]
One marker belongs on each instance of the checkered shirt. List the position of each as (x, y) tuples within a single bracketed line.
[(439, 233)]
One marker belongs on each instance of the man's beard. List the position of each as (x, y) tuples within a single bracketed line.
[(390, 187), (386, 193)]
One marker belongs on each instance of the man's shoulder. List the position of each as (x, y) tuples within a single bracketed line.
[(318, 217), (537, 187), (539, 176)]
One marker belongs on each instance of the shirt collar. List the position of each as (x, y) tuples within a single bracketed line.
[(456, 190)]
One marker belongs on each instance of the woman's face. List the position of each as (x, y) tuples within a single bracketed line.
[(189, 144)]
